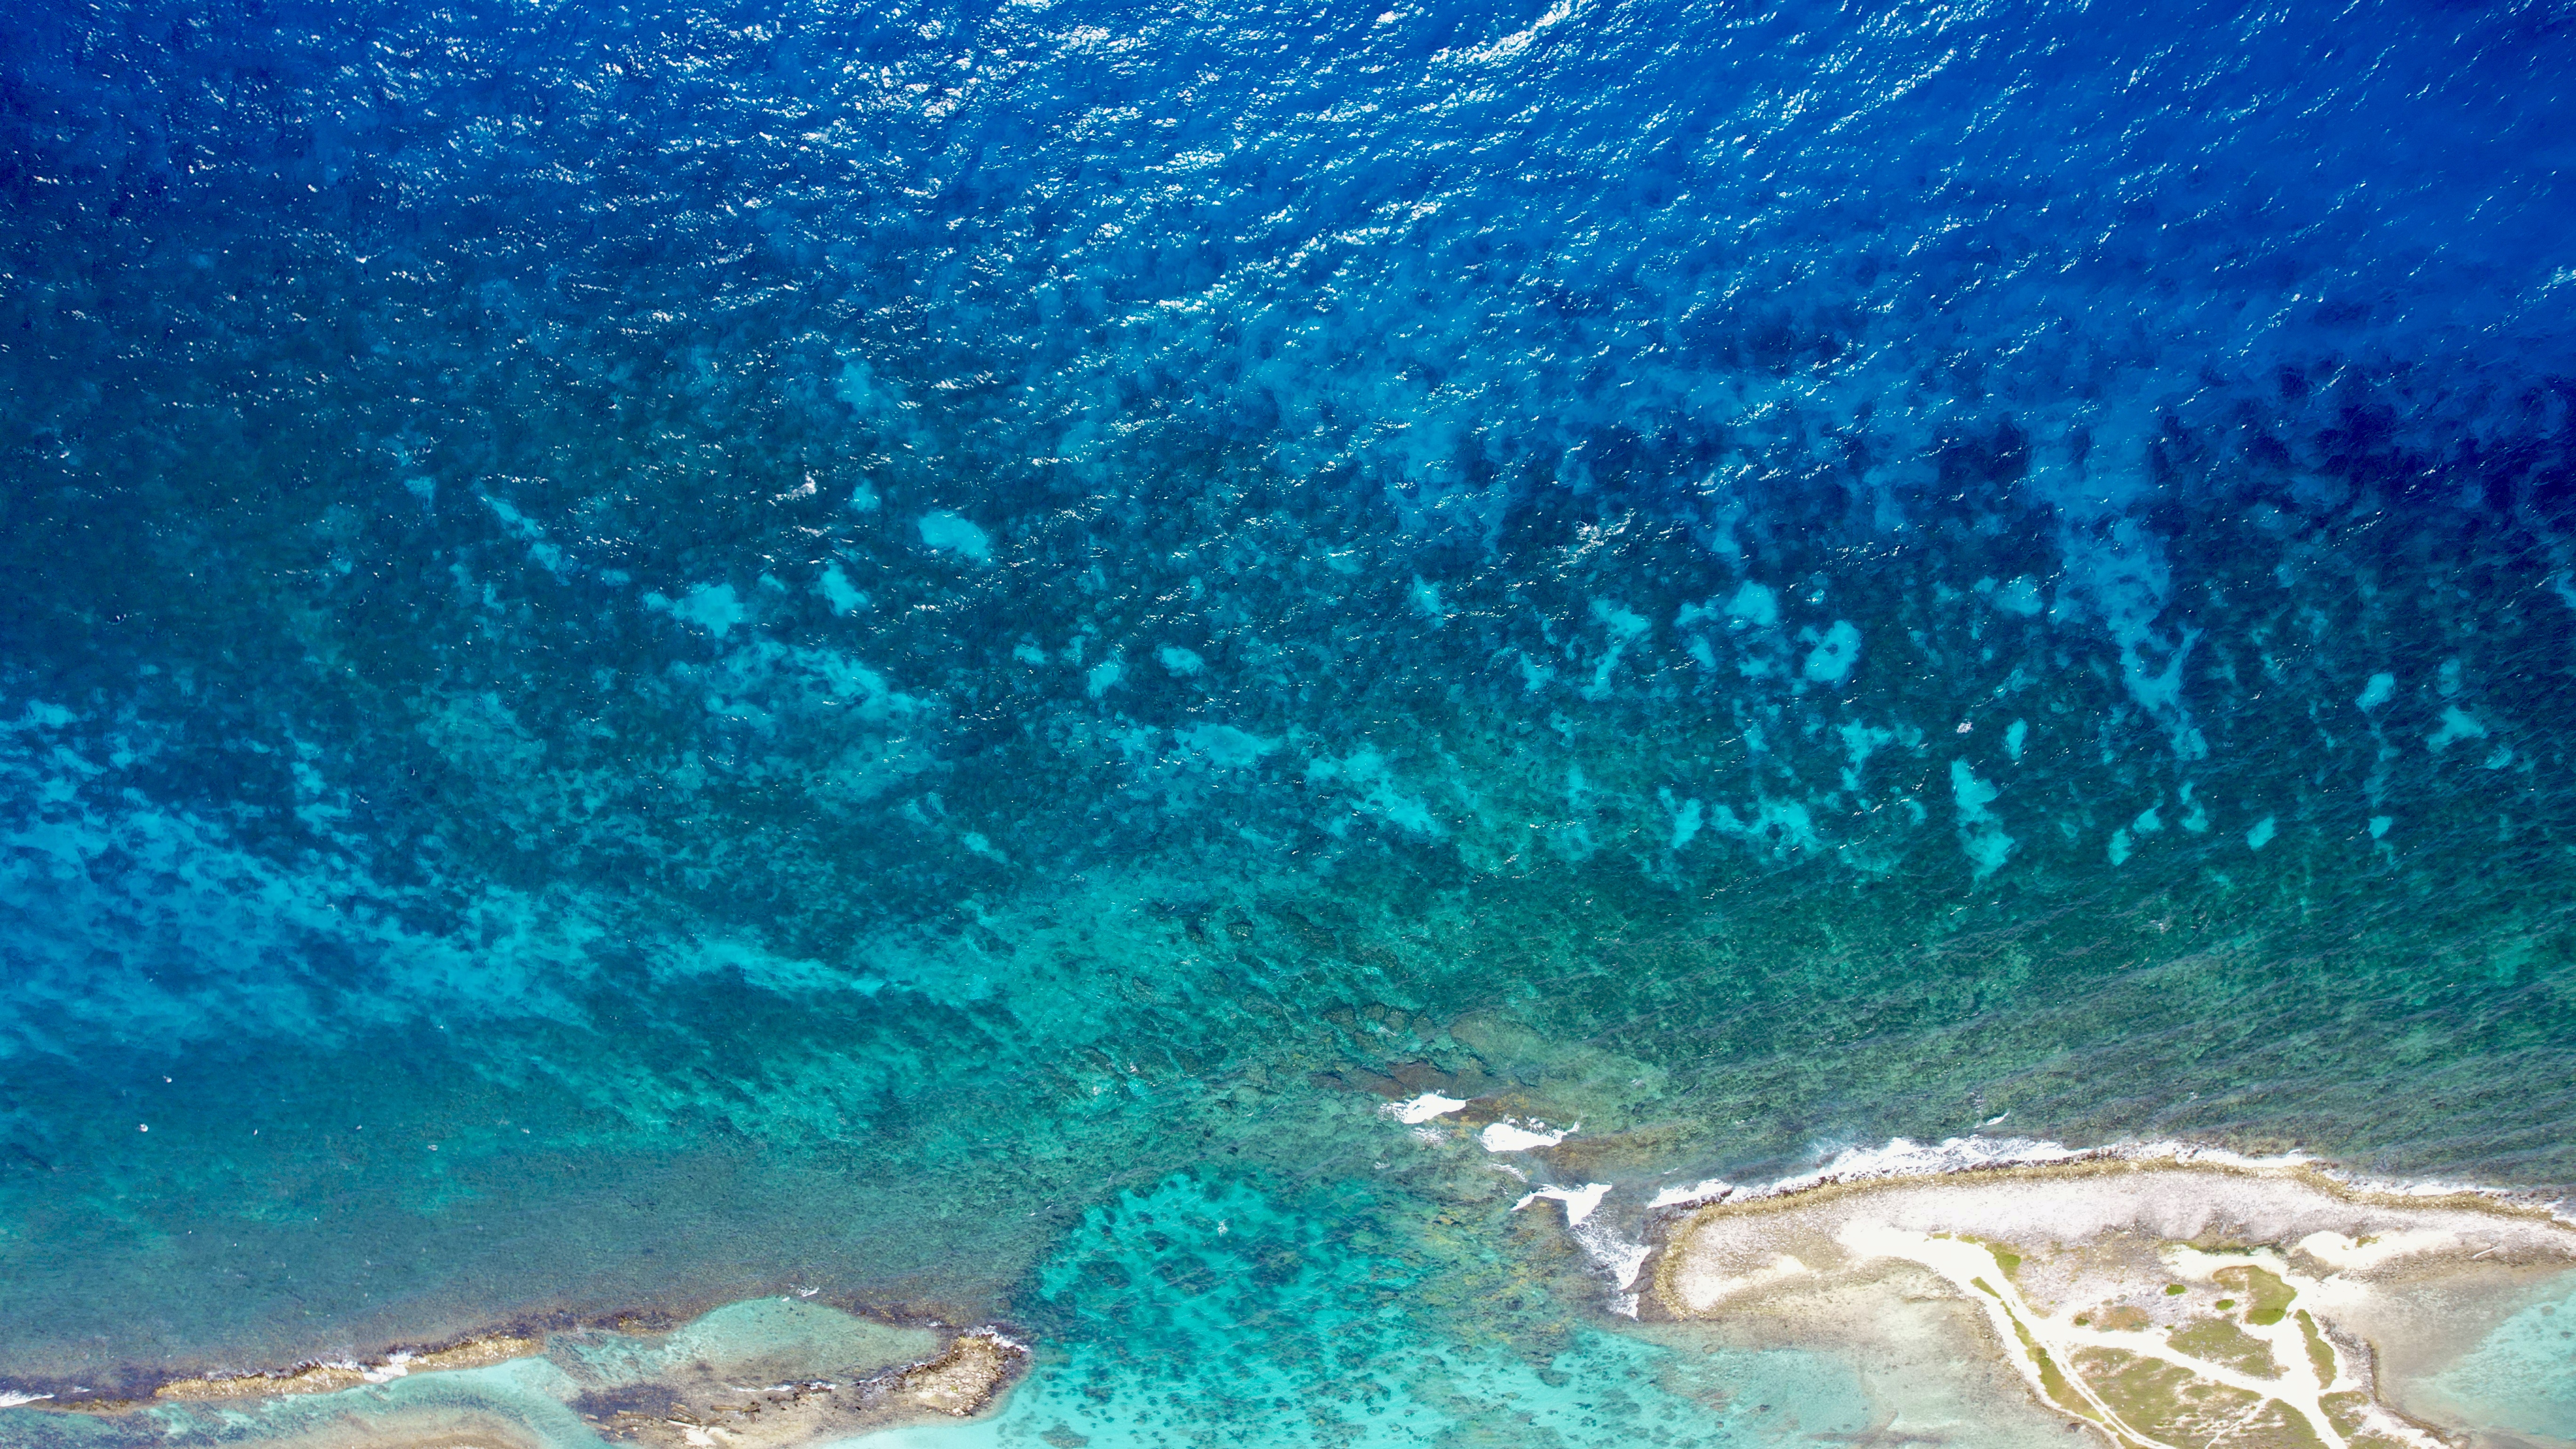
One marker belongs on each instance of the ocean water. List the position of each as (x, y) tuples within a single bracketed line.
[(660, 653)]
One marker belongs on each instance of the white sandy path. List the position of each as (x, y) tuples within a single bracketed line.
[(1904, 1205), (1973, 1268)]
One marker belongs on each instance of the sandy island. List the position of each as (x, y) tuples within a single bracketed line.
[(2162, 1303)]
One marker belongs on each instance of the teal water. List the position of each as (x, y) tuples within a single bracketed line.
[(661, 655), (1216, 1315), (2518, 1376)]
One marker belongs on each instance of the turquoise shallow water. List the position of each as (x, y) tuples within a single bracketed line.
[(659, 655), (2519, 1376), (1212, 1316)]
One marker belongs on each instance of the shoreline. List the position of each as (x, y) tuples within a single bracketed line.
[(133, 1384), (652, 1374), (1674, 1223), (2152, 1293), (1903, 1160)]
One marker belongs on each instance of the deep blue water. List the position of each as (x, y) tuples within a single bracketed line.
[(652, 652)]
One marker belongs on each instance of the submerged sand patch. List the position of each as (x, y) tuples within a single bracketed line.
[(2163, 1304)]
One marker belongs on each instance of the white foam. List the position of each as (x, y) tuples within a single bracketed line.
[(1692, 1196), (1904, 1157), (1417, 1110), (10, 1398), (1512, 1136), (1620, 1258), (1580, 1202)]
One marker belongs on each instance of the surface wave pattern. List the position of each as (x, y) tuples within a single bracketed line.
[(658, 652)]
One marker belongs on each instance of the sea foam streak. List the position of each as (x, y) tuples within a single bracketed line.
[(1904, 1157)]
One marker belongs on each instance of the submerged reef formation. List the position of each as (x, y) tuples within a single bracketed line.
[(1995, 1292), (972, 656), (773, 1373), (2163, 1303)]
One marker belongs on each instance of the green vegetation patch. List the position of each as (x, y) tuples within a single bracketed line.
[(2321, 1355), (2218, 1341), (2344, 1410), (2277, 1426), (2268, 1296), (2051, 1377), (2171, 1403)]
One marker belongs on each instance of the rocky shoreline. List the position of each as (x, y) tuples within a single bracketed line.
[(756, 1374)]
